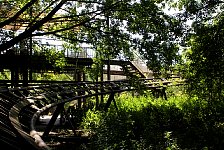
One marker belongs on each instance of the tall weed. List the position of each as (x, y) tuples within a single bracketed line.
[(143, 122)]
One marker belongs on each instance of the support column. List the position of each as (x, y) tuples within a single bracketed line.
[(31, 49), (101, 78), (110, 99), (97, 97), (108, 69), (25, 76), (50, 125), (83, 79), (79, 93), (14, 77)]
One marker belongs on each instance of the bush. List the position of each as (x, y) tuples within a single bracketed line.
[(143, 122)]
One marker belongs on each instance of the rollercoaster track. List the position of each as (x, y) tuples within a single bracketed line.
[(21, 107)]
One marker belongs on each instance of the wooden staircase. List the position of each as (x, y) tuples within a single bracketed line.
[(132, 69), (128, 69)]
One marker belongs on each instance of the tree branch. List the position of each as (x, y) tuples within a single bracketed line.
[(28, 32), (71, 39), (52, 3), (208, 5), (69, 28), (64, 29), (11, 19)]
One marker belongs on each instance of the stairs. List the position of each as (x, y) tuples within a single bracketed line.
[(135, 69), (138, 68)]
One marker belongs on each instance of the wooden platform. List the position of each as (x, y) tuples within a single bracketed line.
[(37, 63)]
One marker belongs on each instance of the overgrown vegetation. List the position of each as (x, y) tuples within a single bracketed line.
[(143, 122), (192, 120)]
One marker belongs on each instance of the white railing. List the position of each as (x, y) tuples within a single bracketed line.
[(140, 64)]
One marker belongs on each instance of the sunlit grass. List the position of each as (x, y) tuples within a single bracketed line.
[(146, 122)]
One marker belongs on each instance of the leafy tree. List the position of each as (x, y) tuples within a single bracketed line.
[(108, 25), (205, 52)]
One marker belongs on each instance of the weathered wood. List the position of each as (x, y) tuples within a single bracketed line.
[(53, 119), (22, 103)]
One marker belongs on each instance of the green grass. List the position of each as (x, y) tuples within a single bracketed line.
[(143, 122)]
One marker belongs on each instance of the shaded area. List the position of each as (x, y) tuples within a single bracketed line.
[(22, 107)]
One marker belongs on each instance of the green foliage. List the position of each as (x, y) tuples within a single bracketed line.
[(203, 63), (171, 144), (204, 67), (5, 75), (52, 55), (143, 122), (96, 69), (51, 76), (112, 27)]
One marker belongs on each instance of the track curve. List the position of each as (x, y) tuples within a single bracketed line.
[(25, 106)]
